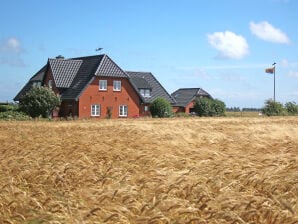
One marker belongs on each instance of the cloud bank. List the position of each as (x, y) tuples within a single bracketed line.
[(10, 52), (229, 45), (267, 32)]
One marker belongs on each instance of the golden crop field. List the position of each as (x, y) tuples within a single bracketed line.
[(186, 170)]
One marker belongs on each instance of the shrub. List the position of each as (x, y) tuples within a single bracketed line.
[(206, 107), (160, 107), (14, 115), (8, 107), (291, 108), (272, 108), (39, 101)]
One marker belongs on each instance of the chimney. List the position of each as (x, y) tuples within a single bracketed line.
[(59, 57)]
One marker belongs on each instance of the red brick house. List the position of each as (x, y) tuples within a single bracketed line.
[(95, 86), (185, 98)]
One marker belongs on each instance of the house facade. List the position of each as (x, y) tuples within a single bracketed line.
[(96, 87)]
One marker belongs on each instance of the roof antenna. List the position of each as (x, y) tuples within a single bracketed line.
[(98, 49)]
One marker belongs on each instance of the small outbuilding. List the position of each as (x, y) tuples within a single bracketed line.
[(185, 99)]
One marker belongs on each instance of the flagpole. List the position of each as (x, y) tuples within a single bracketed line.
[(274, 81)]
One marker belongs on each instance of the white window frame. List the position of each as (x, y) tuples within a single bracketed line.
[(146, 108), (123, 111), (103, 84), (96, 111), (117, 85), (145, 92)]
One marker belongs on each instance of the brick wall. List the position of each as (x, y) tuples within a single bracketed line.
[(109, 99)]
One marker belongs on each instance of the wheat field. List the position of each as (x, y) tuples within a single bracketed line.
[(186, 170)]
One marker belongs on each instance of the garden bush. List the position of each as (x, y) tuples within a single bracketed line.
[(160, 107), (206, 107), (39, 101), (272, 108), (291, 108)]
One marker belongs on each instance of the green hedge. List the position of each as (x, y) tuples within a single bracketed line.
[(9, 107), (206, 107), (272, 108), (14, 115)]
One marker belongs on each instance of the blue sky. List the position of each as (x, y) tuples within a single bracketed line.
[(220, 46)]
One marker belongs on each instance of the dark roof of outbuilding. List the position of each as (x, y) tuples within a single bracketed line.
[(186, 95), (143, 80), (37, 77)]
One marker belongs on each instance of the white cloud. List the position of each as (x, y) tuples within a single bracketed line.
[(10, 52), (267, 32), (284, 63), (10, 45), (293, 74), (228, 44)]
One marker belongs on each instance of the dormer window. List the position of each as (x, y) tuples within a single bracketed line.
[(145, 92)]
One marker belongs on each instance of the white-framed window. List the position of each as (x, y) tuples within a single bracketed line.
[(95, 110), (36, 84), (50, 83), (123, 110), (145, 92), (146, 108), (103, 84), (117, 85)]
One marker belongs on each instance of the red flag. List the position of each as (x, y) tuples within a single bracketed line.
[(270, 70)]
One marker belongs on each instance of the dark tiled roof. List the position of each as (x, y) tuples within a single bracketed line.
[(64, 71), (109, 68), (184, 96), (37, 77), (140, 83), (157, 89), (83, 77)]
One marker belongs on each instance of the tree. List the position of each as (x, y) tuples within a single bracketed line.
[(206, 107), (291, 108), (272, 108), (160, 107), (39, 101)]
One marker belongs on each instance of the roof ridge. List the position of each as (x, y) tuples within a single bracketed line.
[(137, 72), (90, 56)]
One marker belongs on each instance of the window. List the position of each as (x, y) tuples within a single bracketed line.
[(116, 85), (95, 110), (145, 92), (146, 108), (36, 84), (103, 84), (50, 84), (123, 111)]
